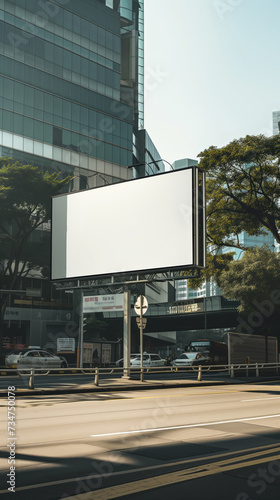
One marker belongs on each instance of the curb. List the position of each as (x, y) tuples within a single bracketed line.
[(117, 388), (132, 387)]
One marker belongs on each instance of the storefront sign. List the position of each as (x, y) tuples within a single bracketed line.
[(186, 308), (106, 353), (103, 303), (87, 352), (66, 345)]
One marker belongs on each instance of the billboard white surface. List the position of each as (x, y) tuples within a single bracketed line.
[(140, 225)]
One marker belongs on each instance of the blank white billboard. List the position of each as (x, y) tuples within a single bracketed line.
[(134, 226)]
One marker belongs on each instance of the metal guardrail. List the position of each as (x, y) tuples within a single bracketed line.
[(231, 370)]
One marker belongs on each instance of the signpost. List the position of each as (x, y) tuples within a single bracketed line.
[(66, 344), (140, 307)]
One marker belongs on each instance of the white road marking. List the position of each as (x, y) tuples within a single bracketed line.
[(184, 426), (261, 399)]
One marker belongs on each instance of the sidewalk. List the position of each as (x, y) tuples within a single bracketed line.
[(125, 384)]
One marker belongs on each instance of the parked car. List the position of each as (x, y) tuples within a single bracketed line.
[(192, 359), (120, 361), (148, 360), (34, 358)]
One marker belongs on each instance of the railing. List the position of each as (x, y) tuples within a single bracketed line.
[(230, 370)]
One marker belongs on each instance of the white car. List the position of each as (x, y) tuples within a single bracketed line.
[(120, 361), (191, 359), (148, 360), (34, 358)]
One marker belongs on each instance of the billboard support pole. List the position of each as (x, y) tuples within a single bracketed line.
[(81, 339), (141, 336), (229, 352), (126, 333)]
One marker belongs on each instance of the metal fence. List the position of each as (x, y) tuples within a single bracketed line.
[(200, 372)]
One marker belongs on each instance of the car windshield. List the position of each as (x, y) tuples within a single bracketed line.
[(190, 355), (19, 351)]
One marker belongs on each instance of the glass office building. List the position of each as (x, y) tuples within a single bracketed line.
[(71, 85), (71, 101), (276, 122)]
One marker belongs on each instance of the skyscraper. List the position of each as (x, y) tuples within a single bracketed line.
[(72, 83), (72, 101)]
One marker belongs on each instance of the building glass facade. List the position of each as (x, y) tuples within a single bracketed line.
[(276, 122), (71, 101), (69, 84), (148, 160)]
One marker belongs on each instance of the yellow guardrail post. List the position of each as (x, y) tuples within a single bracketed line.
[(96, 376), (31, 379), (199, 376)]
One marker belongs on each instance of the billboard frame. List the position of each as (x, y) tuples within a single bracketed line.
[(198, 240)]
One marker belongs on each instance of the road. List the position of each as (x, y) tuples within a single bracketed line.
[(190, 443)]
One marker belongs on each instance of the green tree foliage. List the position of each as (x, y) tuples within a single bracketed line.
[(254, 280), (25, 205), (243, 189), (94, 328), (243, 193), (216, 264)]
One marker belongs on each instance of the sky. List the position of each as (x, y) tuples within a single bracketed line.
[(212, 72)]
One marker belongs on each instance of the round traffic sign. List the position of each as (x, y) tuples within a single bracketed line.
[(141, 300)]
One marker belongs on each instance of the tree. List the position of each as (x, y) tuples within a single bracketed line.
[(216, 264), (243, 193), (243, 189), (254, 280), (25, 205)]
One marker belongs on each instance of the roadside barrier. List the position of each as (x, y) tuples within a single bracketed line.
[(237, 370)]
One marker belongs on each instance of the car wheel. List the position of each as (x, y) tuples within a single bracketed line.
[(63, 364)]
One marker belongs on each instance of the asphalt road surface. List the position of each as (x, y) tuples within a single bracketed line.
[(190, 443)]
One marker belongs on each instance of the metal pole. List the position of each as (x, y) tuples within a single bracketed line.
[(205, 316), (96, 376), (229, 353), (141, 336), (126, 334), (31, 379), (81, 342)]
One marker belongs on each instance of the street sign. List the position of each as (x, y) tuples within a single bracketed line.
[(141, 322), (66, 344), (137, 307), (140, 307)]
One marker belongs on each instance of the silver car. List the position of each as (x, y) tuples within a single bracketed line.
[(148, 360), (119, 362), (191, 359), (34, 358)]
